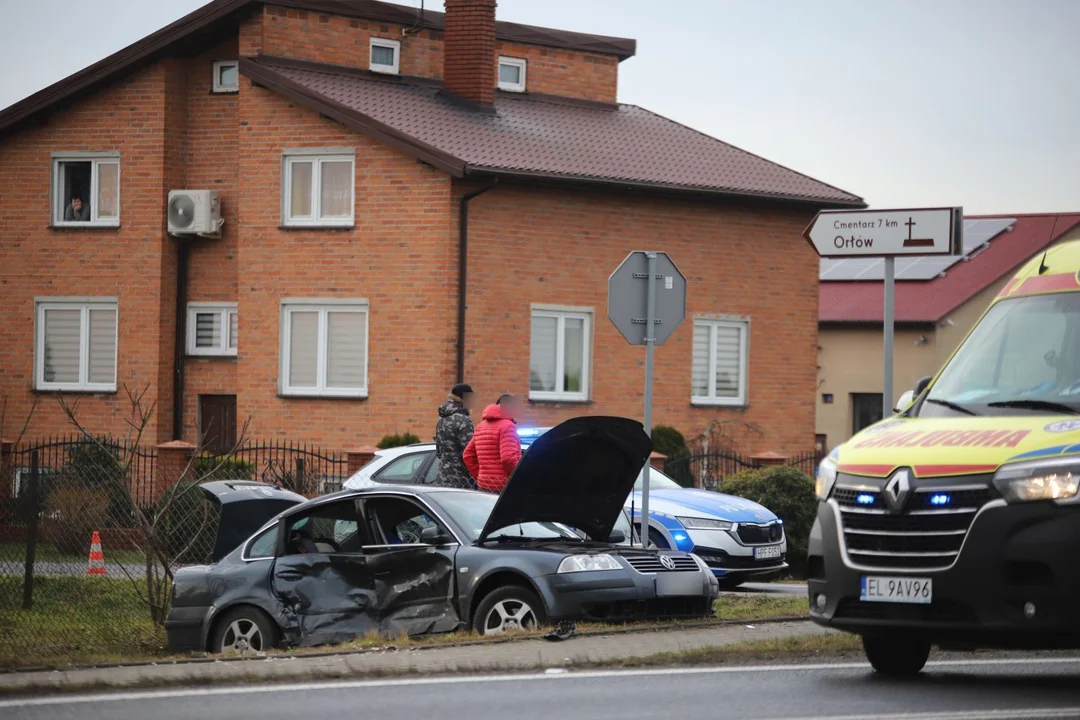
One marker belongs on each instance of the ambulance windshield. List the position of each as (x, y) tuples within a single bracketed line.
[(1023, 357)]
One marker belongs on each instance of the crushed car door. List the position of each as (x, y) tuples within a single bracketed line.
[(411, 558), (322, 576)]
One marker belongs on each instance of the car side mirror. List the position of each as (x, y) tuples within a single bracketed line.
[(434, 536), (921, 385), (905, 401), (617, 536)]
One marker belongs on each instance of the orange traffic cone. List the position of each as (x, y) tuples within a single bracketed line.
[(97, 560)]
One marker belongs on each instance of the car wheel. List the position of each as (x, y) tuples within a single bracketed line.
[(507, 609), (242, 631), (896, 654)]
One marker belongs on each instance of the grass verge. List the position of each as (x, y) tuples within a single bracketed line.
[(102, 620), (16, 552)]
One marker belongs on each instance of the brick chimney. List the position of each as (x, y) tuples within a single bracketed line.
[(469, 51)]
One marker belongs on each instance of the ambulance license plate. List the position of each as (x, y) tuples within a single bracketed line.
[(877, 588), (767, 552)]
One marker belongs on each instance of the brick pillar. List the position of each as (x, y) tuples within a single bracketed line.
[(173, 458), (7, 467), (656, 460), (359, 457), (769, 459), (469, 50)]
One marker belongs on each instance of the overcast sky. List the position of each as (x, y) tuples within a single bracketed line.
[(905, 102)]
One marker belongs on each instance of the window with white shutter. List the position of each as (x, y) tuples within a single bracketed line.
[(211, 329), (559, 355), (76, 345), (719, 363), (324, 348)]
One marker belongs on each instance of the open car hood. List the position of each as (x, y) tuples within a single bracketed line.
[(579, 474), (245, 507)]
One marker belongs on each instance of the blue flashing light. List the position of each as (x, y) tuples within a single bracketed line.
[(679, 537), (865, 499), (940, 499)]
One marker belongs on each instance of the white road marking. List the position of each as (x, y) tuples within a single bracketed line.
[(521, 677), (1018, 714)]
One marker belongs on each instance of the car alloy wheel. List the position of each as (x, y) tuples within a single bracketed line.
[(508, 609), (507, 616), (244, 631)]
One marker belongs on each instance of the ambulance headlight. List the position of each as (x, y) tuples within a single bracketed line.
[(1057, 479), (826, 478)]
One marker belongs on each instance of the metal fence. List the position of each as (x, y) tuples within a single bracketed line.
[(61, 596), (708, 470)]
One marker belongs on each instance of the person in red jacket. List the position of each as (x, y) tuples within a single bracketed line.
[(495, 448)]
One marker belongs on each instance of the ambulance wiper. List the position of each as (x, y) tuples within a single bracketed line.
[(1036, 405), (952, 406)]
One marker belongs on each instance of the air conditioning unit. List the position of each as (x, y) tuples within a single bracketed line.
[(194, 212)]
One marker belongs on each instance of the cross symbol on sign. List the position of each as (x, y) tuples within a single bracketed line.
[(916, 242)]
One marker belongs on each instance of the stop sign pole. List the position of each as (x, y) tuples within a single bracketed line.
[(664, 311)]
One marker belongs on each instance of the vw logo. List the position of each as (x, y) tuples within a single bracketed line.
[(897, 490), (667, 562)]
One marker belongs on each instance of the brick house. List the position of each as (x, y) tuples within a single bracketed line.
[(407, 198)]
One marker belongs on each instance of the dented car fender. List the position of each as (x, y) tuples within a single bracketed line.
[(476, 565)]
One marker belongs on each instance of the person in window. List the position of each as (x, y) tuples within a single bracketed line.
[(452, 433), (495, 448), (77, 210)]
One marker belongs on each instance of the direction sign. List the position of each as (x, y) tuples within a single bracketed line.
[(886, 233), (628, 298)]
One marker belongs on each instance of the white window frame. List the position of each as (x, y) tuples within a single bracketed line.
[(385, 43), (711, 399), (316, 157), (323, 306), (85, 305), (561, 314), (224, 311), (60, 203), (520, 63), (218, 87)]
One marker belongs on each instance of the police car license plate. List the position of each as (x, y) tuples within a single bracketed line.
[(876, 588), (767, 552)]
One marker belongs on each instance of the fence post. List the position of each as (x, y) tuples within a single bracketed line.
[(299, 476), (358, 458), (7, 468), (33, 502), (172, 466)]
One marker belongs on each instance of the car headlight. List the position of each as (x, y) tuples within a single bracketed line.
[(826, 478), (697, 523), (1057, 479), (588, 563)]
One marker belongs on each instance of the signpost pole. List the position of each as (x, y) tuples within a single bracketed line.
[(887, 386), (650, 342)]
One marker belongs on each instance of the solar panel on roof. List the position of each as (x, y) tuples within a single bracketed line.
[(922, 267)]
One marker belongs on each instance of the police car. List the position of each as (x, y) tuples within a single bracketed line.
[(738, 539)]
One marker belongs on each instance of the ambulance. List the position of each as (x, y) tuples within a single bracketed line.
[(956, 522)]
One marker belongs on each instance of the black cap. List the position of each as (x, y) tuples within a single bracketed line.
[(461, 389)]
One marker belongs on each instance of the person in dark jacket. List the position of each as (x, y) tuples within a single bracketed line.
[(452, 434), (495, 449)]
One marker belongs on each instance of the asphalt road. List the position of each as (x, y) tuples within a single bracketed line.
[(951, 690)]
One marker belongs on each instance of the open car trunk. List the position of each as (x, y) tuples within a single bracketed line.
[(245, 507)]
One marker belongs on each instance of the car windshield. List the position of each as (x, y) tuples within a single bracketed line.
[(1022, 357), (657, 481), (471, 511)]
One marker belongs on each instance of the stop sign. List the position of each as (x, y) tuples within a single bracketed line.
[(628, 296)]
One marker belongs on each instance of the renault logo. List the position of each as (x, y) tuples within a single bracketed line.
[(897, 490), (667, 562)]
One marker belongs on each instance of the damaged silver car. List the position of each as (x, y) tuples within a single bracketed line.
[(414, 560)]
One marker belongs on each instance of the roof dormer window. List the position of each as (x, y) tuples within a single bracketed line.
[(512, 74), (385, 56)]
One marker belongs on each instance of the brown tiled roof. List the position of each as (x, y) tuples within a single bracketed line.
[(219, 15), (537, 137)]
